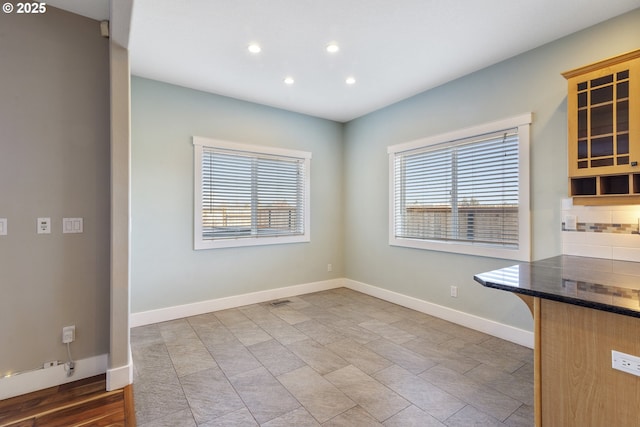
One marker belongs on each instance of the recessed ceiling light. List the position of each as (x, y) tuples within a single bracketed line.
[(333, 48), (254, 48), (289, 80), (350, 80)]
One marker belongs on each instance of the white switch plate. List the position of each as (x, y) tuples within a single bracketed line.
[(625, 362), (3, 226), (44, 225), (72, 225), (570, 222)]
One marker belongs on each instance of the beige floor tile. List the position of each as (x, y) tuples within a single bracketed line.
[(240, 418), (181, 418), (359, 356), (263, 395), (317, 356), (210, 395), (318, 332), (412, 417), (431, 399), (484, 398), (290, 315), (355, 417), (389, 332), (322, 399), (276, 357), (400, 355), (299, 418), (336, 358), (375, 398)]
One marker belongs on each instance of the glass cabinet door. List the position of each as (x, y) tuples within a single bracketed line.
[(601, 104), (602, 117)]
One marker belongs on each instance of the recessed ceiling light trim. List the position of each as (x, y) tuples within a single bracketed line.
[(350, 80), (289, 80), (254, 48), (333, 48)]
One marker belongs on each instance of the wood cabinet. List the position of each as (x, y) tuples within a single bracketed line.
[(578, 386), (603, 106), (574, 384)]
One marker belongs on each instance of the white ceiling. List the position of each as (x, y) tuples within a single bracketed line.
[(394, 48)]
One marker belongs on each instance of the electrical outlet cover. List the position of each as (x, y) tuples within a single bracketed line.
[(44, 225), (625, 362), (68, 334)]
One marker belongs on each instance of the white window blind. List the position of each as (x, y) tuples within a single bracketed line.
[(250, 195), (462, 192)]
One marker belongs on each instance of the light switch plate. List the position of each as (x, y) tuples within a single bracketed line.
[(44, 225), (72, 225), (3, 226), (570, 222)]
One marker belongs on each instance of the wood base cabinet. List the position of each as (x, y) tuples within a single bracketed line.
[(575, 384)]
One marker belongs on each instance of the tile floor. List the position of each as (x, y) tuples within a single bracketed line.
[(332, 358)]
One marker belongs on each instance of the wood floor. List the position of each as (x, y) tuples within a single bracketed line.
[(81, 403)]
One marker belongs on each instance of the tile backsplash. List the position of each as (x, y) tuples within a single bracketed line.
[(601, 231)]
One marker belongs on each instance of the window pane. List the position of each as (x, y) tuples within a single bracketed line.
[(603, 94), (602, 120), (278, 187), (602, 146), (251, 195), (464, 191), (226, 195)]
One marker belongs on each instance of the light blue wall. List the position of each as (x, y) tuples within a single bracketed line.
[(349, 182), (531, 82), (166, 271)]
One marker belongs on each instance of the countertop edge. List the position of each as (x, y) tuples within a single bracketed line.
[(560, 298)]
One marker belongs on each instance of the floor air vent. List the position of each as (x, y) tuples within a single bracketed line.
[(280, 302)]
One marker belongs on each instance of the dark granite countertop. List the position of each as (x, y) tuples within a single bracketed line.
[(597, 283)]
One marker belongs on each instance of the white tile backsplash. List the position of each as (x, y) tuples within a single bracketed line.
[(593, 251), (626, 254), (624, 217), (617, 236), (591, 215)]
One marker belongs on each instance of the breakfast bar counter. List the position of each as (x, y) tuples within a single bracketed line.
[(583, 309)]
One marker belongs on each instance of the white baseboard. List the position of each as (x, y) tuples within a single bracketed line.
[(39, 379), (201, 307), (500, 330), (120, 377)]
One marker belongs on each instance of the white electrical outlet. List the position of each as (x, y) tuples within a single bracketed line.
[(44, 225), (454, 291), (329, 267), (625, 362), (3, 226), (68, 334), (50, 364)]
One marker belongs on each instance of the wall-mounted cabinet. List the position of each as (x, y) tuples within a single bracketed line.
[(603, 107)]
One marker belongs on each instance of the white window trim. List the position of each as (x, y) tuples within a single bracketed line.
[(523, 252), (199, 243)]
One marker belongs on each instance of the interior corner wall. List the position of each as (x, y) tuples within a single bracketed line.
[(54, 162), (531, 82), (166, 271)]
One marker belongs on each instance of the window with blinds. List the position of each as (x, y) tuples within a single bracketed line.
[(463, 192), (249, 195)]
